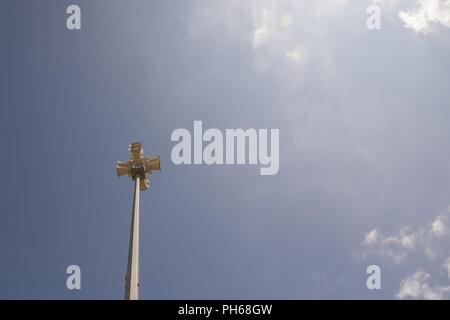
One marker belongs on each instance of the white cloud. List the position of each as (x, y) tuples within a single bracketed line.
[(275, 25), (394, 247), (439, 226), (297, 55), (430, 242), (427, 14), (264, 26), (423, 17), (371, 238), (447, 266), (278, 31), (427, 239), (417, 286)]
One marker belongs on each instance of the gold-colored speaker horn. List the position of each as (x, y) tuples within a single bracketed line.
[(152, 163), (143, 184), (136, 152), (122, 168)]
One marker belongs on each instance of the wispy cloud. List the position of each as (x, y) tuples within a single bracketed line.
[(426, 15), (428, 243), (274, 25), (418, 286)]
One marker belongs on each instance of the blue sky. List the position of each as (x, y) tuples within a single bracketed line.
[(364, 137)]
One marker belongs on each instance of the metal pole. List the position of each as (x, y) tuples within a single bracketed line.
[(132, 277)]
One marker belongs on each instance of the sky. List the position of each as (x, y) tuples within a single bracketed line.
[(364, 176)]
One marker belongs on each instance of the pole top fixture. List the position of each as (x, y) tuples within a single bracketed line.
[(138, 165)]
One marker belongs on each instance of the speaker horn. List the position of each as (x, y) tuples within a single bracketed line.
[(122, 168), (152, 163), (143, 184)]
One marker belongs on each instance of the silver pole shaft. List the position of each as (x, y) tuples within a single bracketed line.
[(132, 277)]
